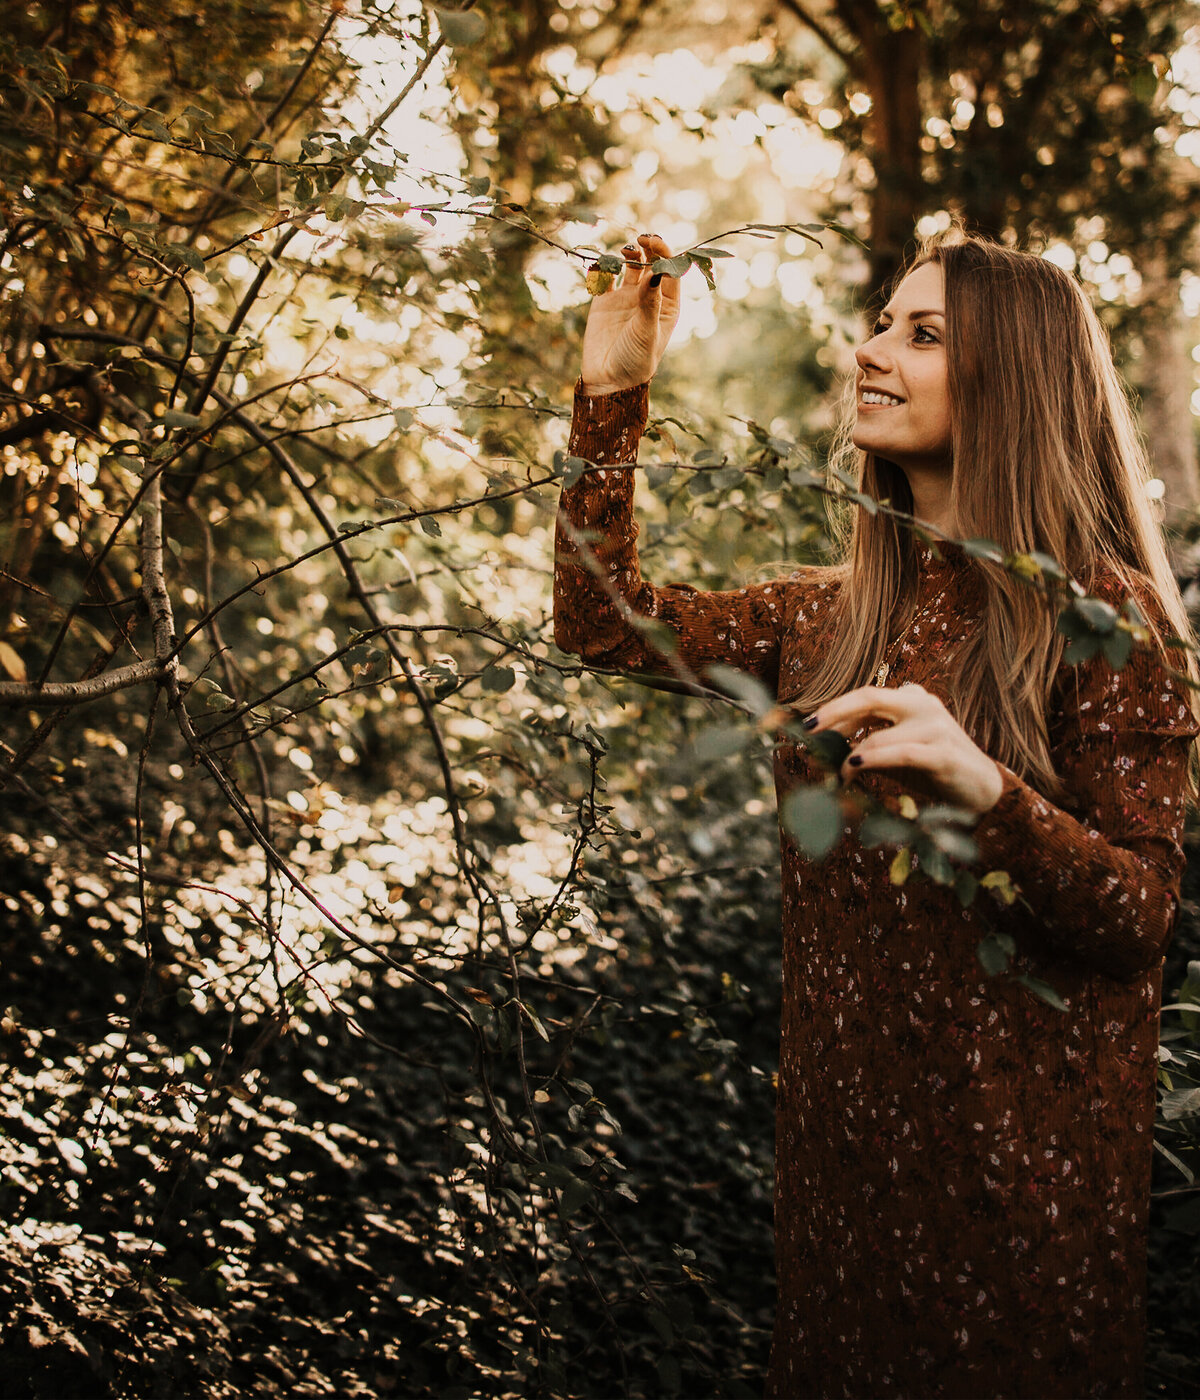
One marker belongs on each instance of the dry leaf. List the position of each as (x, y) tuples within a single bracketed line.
[(12, 663)]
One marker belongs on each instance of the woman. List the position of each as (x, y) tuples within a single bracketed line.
[(962, 1170)]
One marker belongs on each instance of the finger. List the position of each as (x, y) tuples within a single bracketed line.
[(635, 264), (654, 246), (845, 712), (914, 754)]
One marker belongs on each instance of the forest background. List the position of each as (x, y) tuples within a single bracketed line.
[(389, 1002)]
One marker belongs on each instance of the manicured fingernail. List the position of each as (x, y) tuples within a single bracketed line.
[(855, 760), (656, 279), (810, 722)]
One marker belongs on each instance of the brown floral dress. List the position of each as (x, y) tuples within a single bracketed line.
[(962, 1170)]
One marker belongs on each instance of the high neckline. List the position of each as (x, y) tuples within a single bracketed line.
[(953, 557)]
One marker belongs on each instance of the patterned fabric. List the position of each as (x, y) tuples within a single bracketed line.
[(962, 1170)]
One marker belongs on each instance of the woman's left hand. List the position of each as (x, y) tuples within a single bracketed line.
[(923, 744)]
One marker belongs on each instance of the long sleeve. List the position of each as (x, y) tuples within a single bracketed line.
[(1101, 886), (600, 596)]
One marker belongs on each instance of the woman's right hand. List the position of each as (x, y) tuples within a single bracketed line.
[(628, 326)]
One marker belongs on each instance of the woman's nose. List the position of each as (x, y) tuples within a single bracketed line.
[(872, 355)]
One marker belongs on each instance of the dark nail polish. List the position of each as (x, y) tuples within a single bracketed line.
[(656, 279), (810, 722), (855, 760)]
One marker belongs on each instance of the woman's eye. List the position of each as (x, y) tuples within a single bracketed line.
[(924, 335), (878, 328)]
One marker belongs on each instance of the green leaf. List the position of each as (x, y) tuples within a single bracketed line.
[(1177, 1163), (881, 828), (812, 817), (1144, 84), (935, 863), (1099, 615), (726, 477), (576, 1194), (983, 549), (535, 1022), (994, 953), (460, 27), (431, 526), (661, 635), (498, 679), (705, 266), (743, 687), (955, 844), (1180, 1103), (1081, 649), (573, 469), (965, 886), (609, 262), (720, 741), (403, 417), (1043, 990), (1048, 564), (828, 747), (174, 418), (1117, 647), (671, 267), (180, 252)]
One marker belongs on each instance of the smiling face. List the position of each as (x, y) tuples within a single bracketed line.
[(902, 384)]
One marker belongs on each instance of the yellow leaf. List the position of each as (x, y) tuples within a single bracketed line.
[(1022, 564), (12, 663), (901, 866), (598, 282), (908, 808), (1001, 882), (672, 448)]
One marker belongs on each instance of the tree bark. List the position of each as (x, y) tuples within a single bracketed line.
[(1165, 381), (890, 66)]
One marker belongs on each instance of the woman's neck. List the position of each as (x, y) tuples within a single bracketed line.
[(932, 500)]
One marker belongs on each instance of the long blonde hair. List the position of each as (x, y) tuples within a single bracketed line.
[(1047, 457)]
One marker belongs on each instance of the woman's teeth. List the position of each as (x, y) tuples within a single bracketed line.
[(873, 396)]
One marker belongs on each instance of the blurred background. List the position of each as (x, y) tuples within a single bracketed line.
[(389, 1003)]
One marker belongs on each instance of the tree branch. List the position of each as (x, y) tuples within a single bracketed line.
[(795, 8), (56, 693)]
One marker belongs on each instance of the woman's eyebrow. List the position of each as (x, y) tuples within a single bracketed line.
[(913, 315)]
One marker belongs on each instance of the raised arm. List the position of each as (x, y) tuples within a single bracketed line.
[(603, 609), (1100, 884)]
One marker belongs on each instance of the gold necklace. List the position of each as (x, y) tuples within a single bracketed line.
[(885, 666)]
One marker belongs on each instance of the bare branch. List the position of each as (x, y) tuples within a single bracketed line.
[(55, 693), (830, 40)]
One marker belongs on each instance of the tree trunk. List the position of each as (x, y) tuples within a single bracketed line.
[(891, 61), (1165, 381)]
